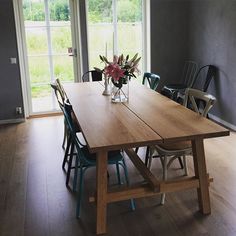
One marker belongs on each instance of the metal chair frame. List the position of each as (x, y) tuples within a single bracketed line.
[(187, 81), (84, 160), (95, 76)]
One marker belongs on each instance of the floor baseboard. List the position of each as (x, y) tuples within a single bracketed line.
[(223, 122), (12, 121)]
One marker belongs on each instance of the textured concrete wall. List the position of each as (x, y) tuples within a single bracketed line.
[(10, 84)]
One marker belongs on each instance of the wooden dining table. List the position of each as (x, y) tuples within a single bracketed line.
[(148, 118)]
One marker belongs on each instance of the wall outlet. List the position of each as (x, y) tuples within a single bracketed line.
[(13, 60), (19, 110)]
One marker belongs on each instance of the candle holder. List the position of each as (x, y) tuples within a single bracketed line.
[(107, 90)]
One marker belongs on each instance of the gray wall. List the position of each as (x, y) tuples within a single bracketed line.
[(10, 85), (213, 41), (169, 38), (180, 29), (200, 30)]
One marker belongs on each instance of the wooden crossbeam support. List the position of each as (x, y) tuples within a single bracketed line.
[(144, 190), (144, 171)]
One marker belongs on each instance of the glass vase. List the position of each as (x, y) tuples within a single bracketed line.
[(120, 93)]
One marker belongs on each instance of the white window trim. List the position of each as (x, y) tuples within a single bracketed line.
[(147, 36), (22, 53)]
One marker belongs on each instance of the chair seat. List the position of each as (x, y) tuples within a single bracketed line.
[(176, 146), (113, 156), (175, 86)]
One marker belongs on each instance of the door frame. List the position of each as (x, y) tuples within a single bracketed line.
[(22, 52)]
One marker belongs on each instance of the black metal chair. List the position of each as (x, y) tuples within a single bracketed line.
[(187, 81), (202, 81), (95, 75)]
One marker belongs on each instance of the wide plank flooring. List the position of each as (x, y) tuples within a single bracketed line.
[(35, 201)]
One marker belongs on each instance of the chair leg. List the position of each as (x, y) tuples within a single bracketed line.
[(76, 173), (81, 180), (70, 164), (136, 149), (163, 195), (132, 202), (147, 155), (185, 165), (65, 136), (66, 152), (181, 163), (118, 173)]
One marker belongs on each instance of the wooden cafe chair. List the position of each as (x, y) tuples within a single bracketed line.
[(169, 152)]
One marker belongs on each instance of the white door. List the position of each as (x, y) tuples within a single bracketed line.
[(50, 28)]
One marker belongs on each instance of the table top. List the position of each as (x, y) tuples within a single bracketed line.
[(148, 118), (171, 120)]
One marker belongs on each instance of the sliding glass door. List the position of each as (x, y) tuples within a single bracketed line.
[(114, 27), (50, 50)]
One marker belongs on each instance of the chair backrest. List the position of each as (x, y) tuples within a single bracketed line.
[(209, 73), (59, 92), (188, 73), (68, 113), (95, 75), (152, 80), (59, 97), (192, 96), (61, 89)]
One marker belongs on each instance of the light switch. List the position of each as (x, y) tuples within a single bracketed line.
[(13, 60)]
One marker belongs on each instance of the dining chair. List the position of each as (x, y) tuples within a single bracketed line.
[(152, 81), (202, 80), (169, 152), (95, 76), (187, 81), (85, 160), (61, 98)]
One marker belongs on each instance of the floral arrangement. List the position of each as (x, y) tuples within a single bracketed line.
[(120, 69)]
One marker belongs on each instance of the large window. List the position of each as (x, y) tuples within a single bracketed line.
[(114, 27)]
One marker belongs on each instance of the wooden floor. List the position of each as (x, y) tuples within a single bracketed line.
[(35, 201)]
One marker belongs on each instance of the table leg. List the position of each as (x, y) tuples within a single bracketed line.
[(201, 174), (101, 192)]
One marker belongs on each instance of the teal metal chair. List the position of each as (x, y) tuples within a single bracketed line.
[(61, 98), (151, 80), (85, 160)]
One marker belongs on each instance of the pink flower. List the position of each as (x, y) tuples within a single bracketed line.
[(117, 72), (114, 71), (108, 70)]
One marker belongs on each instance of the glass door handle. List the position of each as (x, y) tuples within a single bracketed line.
[(72, 52)]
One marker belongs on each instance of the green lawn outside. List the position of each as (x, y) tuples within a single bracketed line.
[(129, 40)]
